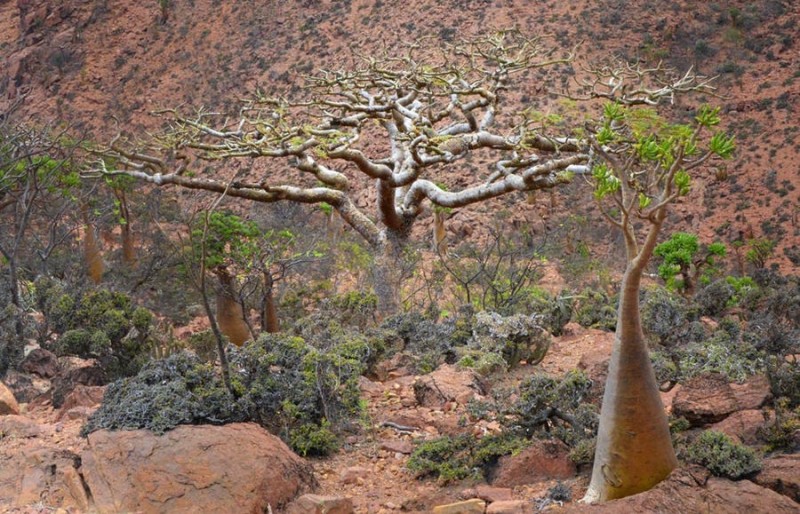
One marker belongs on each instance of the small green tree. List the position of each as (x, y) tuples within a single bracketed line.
[(39, 193), (759, 251), (641, 166), (683, 256)]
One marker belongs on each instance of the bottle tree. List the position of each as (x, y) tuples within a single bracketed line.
[(641, 164)]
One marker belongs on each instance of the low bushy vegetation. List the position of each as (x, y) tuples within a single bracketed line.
[(464, 456), (166, 393), (302, 392), (553, 407), (100, 324), (722, 456)]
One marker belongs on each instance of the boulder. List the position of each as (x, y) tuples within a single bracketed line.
[(397, 446), (690, 490), (544, 460), (753, 394), (509, 507), (705, 399), (782, 475), (232, 468), (445, 385), (87, 397), (8, 403), (46, 476), (743, 425), (473, 506), (354, 475), (76, 372), (25, 386), (317, 504), (41, 362), (21, 427)]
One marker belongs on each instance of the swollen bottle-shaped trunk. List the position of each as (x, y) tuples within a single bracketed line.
[(230, 315), (634, 448)]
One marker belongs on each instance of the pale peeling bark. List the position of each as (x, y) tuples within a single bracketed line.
[(430, 114)]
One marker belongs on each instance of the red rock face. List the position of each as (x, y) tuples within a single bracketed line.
[(782, 475), (232, 468), (743, 425), (689, 490)]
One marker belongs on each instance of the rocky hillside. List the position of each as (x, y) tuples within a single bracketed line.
[(97, 64)]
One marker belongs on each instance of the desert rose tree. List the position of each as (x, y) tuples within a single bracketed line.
[(640, 165)]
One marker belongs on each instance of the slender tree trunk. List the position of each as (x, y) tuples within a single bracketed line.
[(439, 233), (212, 320), (15, 350), (230, 315), (689, 284), (269, 308), (91, 252), (128, 245), (634, 448)]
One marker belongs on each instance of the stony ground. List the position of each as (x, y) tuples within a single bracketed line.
[(41, 472)]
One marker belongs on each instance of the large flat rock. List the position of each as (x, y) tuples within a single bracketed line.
[(232, 468)]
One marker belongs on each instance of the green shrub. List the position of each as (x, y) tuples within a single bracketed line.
[(722, 456), (553, 311), (314, 440), (596, 310), (166, 393), (204, 345), (430, 343), (463, 456), (666, 318), (713, 299), (287, 383), (73, 342), (781, 433), (355, 308), (556, 407), (103, 325), (784, 379), (514, 338), (582, 454)]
